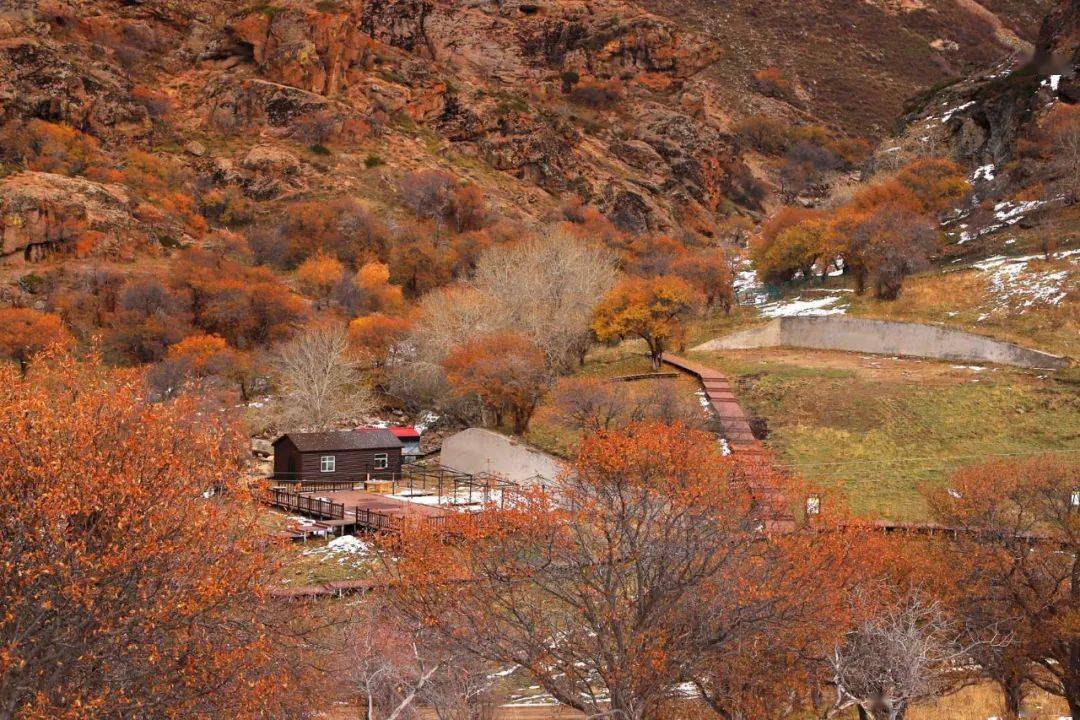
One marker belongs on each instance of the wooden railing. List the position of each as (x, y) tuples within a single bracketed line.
[(324, 509), (384, 522)]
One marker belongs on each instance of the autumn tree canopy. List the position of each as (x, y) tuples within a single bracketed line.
[(653, 309), (645, 569), (505, 371), (1018, 524), (131, 566), (25, 332)]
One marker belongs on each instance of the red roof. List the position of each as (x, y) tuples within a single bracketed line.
[(401, 432), (404, 432)]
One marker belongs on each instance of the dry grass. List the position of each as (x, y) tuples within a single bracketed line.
[(984, 701)]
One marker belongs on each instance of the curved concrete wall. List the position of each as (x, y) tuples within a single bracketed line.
[(477, 450), (884, 337)]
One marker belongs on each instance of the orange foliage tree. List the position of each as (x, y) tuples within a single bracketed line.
[(205, 356), (247, 306), (375, 335), (649, 570), (318, 275), (652, 309), (131, 566), (778, 252), (1018, 531), (373, 279), (505, 371), (710, 272), (882, 245), (25, 332)]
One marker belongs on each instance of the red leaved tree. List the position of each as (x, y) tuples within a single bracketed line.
[(1018, 531), (505, 371), (647, 566), (131, 565)]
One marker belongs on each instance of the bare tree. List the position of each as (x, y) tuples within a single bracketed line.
[(317, 380), (399, 667), (547, 287), (544, 288), (590, 404), (904, 651)]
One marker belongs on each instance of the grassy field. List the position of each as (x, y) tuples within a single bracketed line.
[(984, 701), (878, 428)]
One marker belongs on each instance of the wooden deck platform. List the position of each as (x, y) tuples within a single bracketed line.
[(353, 510), (733, 421), (353, 500)]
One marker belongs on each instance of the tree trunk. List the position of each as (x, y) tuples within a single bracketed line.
[(1014, 698)]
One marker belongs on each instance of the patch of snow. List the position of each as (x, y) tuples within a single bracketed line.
[(792, 308), (1012, 213), (949, 113), (1015, 287), (1052, 82), (745, 280), (426, 420), (461, 498), (972, 368), (348, 544), (986, 172)]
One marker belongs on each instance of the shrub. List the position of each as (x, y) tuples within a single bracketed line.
[(597, 94), (763, 133), (772, 83)]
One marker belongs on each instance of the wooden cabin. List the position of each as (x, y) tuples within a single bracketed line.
[(338, 456)]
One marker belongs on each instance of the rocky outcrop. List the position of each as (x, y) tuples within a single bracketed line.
[(984, 117), (238, 104), (37, 80), (41, 213)]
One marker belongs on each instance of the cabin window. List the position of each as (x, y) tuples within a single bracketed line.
[(327, 463), (382, 460)]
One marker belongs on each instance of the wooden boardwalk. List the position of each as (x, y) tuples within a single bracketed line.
[(733, 420)]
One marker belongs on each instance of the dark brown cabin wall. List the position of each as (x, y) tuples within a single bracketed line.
[(283, 450), (351, 465)]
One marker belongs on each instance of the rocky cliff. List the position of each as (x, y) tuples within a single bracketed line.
[(626, 107)]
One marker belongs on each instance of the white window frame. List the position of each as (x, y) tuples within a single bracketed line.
[(382, 461), (327, 463)]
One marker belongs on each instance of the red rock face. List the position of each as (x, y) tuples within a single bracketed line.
[(43, 213), (626, 108)]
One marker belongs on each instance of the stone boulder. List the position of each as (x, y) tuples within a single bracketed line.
[(43, 212)]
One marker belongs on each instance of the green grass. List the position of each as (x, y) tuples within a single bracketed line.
[(879, 441)]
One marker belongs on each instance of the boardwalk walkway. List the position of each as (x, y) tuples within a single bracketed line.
[(733, 420)]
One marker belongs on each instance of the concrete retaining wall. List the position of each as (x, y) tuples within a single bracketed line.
[(477, 450), (884, 337)]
